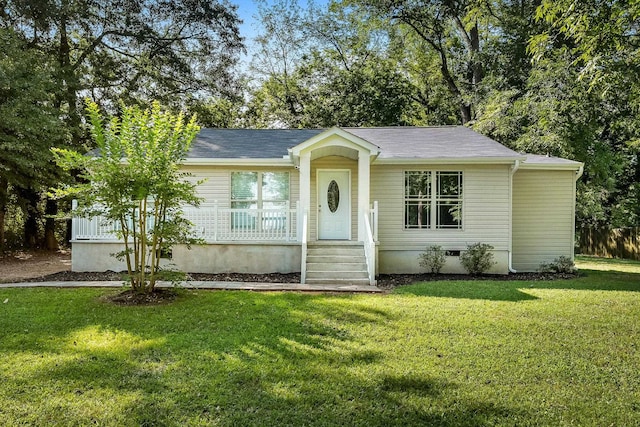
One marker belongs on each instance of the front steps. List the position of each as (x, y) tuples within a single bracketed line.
[(336, 263)]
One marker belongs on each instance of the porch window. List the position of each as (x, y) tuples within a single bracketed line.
[(433, 200), (258, 191)]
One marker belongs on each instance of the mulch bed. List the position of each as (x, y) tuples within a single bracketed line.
[(390, 281), (385, 281), (157, 297)]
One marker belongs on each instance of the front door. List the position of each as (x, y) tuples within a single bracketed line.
[(334, 204)]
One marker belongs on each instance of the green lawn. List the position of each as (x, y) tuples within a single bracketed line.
[(440, 353)]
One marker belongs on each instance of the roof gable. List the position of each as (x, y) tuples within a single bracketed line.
[(335, 137)]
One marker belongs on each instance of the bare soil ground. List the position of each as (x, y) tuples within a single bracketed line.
[(21, 266)]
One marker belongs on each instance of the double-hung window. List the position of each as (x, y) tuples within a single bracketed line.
[(417, 199), (433, 200), (258, 190)]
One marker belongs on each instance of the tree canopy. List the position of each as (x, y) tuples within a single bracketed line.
[(134, 180), (541, 76), (180, 52)]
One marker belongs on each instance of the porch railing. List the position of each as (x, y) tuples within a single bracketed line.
[(371, 233), (212, 224)]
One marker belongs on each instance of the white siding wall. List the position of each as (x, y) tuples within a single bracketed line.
[(333, 162), (543, 217), (485, 216)]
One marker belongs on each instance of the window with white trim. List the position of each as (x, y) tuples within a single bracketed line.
[(433, 199), (257, 190)]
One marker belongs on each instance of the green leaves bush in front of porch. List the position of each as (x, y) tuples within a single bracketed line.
[(477, 258), (433, 259), (133, 178)]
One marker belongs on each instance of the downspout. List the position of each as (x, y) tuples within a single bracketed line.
[(514, 168), (579, 173)]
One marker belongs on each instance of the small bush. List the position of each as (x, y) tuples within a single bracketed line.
[(561, 265), (433, 258), (478, 258)]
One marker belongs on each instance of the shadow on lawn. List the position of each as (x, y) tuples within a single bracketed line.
[(516, 290), (223, 358)]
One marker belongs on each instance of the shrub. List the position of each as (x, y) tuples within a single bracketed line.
[(478, 258), (433, 258), (561, 265)]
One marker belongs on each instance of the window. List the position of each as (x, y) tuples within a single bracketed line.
[(417, 196), (433, 200), (257, 190)]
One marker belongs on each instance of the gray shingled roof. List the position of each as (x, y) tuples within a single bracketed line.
[(248, 143), (394, 142), (536, 159), (432, 142)]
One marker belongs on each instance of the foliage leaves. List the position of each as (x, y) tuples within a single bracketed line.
[(133, 179)]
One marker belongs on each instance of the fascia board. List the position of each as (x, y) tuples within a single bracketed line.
[(449, 161), (237, 162), (574, 166)]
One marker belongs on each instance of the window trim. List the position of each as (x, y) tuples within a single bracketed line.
[(435, 200), (259, 201)]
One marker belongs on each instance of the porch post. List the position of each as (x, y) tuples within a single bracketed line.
[(363, 191), (305, 186)]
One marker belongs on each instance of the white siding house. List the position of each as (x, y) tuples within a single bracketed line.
[(343, 204)]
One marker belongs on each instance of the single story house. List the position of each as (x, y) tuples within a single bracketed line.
[(345, 204)]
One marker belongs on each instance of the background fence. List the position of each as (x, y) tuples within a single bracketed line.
[(610, 243)]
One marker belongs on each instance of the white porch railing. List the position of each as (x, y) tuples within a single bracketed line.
[(303, 257), (212, 224), (371, 236)]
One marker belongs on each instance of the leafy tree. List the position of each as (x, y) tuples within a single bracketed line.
[(181, 52), (134, 180), (450, 30), (131, 50), (601, 43), (325, 68), (29, 126), (373, 93)]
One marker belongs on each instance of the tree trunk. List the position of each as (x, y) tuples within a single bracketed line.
[(50, 241), (31, 216), (4, 199)]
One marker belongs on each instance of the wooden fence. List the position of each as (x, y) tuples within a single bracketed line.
[(610, 243)]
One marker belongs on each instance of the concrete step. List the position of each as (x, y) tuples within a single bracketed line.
[(358, 265), (338, 250), (337, 263), (335, 259), (346, 275), (325, 281)]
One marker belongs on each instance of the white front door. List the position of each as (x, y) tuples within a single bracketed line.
[(334, 204)]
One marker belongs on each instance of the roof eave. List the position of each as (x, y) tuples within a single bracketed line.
[(238, 162), (449, 160), (573, 166)]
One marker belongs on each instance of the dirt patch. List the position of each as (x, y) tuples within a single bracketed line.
[(20, 266)]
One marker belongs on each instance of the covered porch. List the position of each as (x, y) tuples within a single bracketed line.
[(334, 206)]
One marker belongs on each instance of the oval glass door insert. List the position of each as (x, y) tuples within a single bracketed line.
[(333, 196)]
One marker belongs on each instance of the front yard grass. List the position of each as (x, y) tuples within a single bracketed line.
[(439, 353)]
